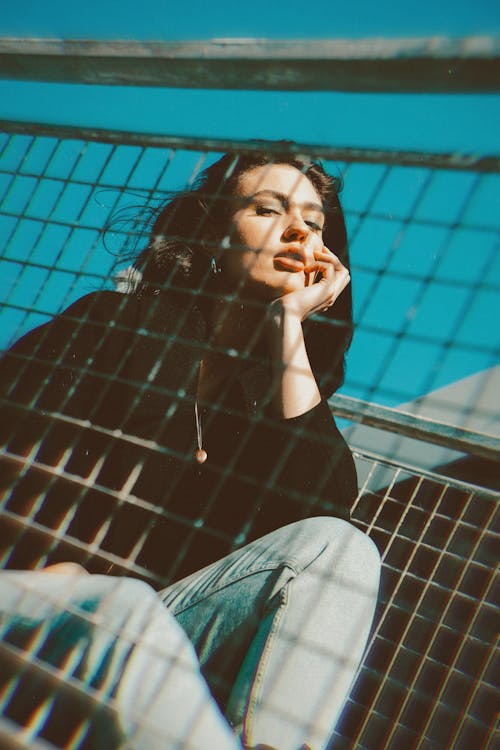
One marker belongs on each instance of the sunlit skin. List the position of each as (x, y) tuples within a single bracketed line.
[(276, 235), (276, 255), (64, 568)]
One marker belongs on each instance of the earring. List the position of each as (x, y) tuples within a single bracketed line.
[(213, 266)]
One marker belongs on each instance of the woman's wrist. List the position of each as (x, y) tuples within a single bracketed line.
[(282, 308), (281, 315), (295, 388)]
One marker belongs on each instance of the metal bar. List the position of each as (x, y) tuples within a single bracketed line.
[(371, 65), (458, 161), (403, 470), (420, 64), (455, 438)]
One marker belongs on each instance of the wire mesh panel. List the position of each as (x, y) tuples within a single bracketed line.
[(423, 310), (429, 675)]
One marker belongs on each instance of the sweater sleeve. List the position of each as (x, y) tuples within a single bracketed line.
[(313, 463), (47, 366), (96, 392), (42, 371), (109, 360), (50, 380)]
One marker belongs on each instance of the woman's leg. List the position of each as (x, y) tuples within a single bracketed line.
[(285, 621), (102, 656)]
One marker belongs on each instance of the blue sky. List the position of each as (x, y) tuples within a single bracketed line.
[(171, 19)]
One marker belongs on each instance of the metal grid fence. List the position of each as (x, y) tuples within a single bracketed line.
[(429, 674), (428, 677)]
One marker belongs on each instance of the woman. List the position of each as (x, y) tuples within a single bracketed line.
[(190, 417)]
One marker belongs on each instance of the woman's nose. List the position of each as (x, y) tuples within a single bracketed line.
[(297, 229)]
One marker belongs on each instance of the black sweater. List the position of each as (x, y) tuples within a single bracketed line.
[(105, 392)]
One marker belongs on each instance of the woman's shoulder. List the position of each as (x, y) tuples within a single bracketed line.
[(107, 299), (87, 319), (115, 318), (113, 307), (100, 304)]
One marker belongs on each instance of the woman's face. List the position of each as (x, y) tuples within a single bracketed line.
[(274, 232)]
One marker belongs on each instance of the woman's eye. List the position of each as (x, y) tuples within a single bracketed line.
[(314, 226), (266, 211)]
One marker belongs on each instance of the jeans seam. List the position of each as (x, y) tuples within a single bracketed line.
[(237, 577), (253, 693), (296, 566)]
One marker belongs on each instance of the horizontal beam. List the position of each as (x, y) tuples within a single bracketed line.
[(420, 64), (419, 428), (458, 161)]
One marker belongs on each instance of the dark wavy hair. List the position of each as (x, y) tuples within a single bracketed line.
[(187, 231)]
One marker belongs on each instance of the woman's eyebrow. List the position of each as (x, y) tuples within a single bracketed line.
[(285, 200)]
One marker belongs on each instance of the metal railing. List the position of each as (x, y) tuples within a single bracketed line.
[(430, 64)]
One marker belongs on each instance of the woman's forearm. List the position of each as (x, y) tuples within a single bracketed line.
[(295, 390)]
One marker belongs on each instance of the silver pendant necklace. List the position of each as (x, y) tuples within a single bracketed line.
[(201, 454)]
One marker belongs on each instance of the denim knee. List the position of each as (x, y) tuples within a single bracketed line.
[(327, 542), (352, 555)]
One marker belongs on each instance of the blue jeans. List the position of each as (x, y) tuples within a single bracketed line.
[(279, 628)]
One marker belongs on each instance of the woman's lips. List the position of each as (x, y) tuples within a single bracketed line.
[(289, 261)]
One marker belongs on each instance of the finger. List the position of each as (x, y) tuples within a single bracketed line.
[(322, 271), (326, 255), (335, 282), (64, 568), (342, 275), (332, 271), (329, 267)]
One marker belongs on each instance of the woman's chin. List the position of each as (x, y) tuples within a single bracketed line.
[(268, 290), (294, 283)]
